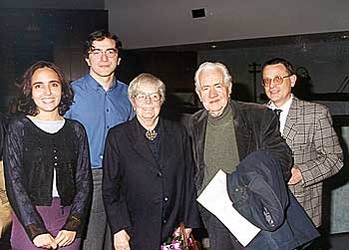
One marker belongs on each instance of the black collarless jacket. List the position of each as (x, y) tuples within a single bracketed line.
[(256, 127), (148, 198), (30, 157)]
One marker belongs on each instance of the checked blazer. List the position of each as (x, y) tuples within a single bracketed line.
[(316, 152)]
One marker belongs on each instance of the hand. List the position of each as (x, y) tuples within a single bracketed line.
[(121, 240), (187, 231), (45, 241), (296, 176), (65, 238)]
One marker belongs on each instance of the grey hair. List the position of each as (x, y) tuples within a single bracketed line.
[(227, 78), (146, 78)]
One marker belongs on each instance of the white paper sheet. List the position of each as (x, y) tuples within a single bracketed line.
[(216, 200)]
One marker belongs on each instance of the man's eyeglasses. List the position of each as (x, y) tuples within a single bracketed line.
[(141, 97), (110, 53), (278, 80)]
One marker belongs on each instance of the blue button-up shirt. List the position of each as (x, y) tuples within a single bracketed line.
[(99, 110)]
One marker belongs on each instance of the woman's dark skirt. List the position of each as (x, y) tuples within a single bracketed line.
[(54, 217)]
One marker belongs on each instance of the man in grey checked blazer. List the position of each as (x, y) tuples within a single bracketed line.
[(308, 131)]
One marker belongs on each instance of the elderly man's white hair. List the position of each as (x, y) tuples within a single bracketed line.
[(227, 78)]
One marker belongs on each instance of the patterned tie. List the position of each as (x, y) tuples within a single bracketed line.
[(277, 113)]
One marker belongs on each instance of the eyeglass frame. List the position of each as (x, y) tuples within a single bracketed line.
[(149, 95), (281, 80), (101, 52)]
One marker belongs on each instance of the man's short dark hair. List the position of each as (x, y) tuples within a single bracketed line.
[(99, 35), (282, 61)]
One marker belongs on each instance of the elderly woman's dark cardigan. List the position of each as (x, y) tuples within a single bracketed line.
[(30, 157)]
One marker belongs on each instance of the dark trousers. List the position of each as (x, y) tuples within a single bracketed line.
[(319, 243), (98, 236), (220, 237)]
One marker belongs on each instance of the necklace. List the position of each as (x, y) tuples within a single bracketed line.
[(151, 134)]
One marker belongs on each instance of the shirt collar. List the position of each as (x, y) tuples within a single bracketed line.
[(285, 108), (225, 116), (283, 115), (95, 85)]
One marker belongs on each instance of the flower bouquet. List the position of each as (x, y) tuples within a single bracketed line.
[(179, 241), (174, 243)]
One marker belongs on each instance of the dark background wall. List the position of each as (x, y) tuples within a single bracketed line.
[(325, 62), (28, 35), (53, 4)]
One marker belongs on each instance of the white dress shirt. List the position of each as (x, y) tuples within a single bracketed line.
[(283, 115)]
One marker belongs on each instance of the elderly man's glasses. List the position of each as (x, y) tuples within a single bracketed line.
[(154, 97), (278, 80), (110, 53)]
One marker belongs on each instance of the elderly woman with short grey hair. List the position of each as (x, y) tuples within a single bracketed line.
[(148, 186)]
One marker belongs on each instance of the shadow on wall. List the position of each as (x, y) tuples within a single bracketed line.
[(240, 92), (180, 105), (303, 86)]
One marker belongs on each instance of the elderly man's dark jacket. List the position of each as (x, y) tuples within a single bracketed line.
[(258, 192), (256, 127)]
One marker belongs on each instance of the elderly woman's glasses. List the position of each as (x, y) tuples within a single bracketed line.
[(278, 80), (154, 97), (110, 53)]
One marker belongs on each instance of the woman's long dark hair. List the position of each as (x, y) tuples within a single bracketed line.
[(25, 104)]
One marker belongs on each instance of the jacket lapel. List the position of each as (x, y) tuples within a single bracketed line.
[(199, 134), (289, 131), (166, 149), (138, 142), (242, 133)]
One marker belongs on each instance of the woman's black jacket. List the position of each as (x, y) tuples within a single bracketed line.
[(30, 157)]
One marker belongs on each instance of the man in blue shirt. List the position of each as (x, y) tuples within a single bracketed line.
[(100, 102)]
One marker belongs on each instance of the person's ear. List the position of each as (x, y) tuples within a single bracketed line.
[(230, 87), (198, 92), (293, 79), (132, 100), (87, 60), (119, 60)]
